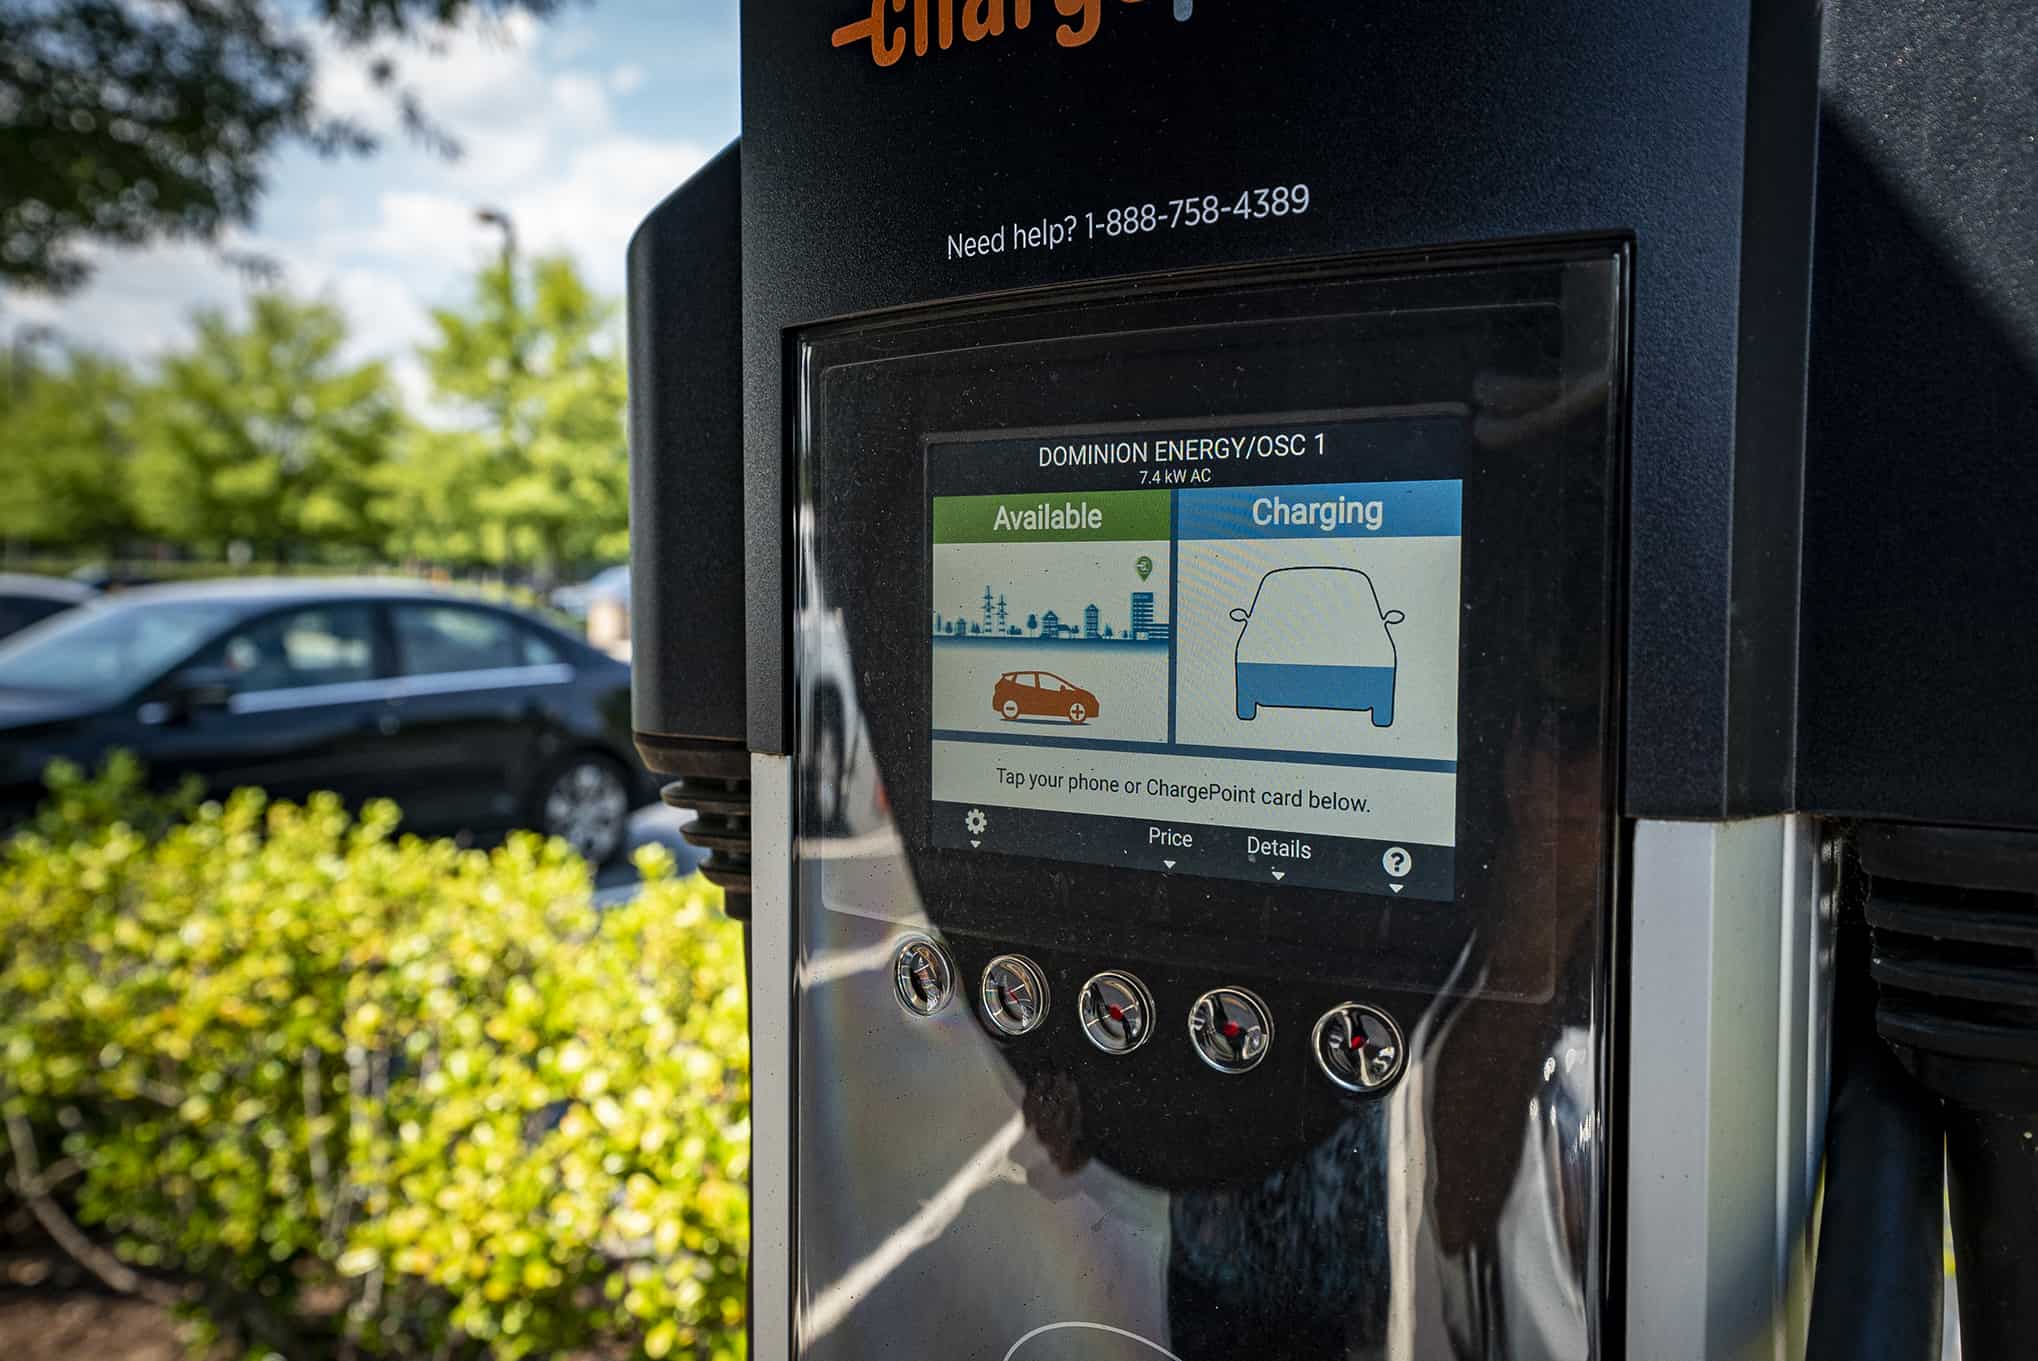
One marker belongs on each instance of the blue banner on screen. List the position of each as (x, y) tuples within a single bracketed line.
[(1347, 510)]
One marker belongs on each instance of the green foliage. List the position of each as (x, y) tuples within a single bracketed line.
[(261, 433), (121, 123), (540, 474), (425, 500), (66, 436), (381, 1096), (82, 805)]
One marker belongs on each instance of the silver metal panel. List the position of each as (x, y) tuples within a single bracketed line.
[(1730, 963), (771, 1057), (1804, 1049)]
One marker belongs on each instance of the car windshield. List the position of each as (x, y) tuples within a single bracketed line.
[(104, 651), (1308, 596)]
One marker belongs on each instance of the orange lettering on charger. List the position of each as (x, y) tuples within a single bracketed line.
[(933, 22), (883, 50), (1092, 12)]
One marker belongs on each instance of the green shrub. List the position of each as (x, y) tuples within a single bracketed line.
[(356, 1094)]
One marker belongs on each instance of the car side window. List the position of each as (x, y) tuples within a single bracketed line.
[(436, 639), (16, 615), (536, 651), (1048, 682), (1025, 678), (323, 645)]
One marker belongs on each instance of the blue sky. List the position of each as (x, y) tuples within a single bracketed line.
[(576, 127)]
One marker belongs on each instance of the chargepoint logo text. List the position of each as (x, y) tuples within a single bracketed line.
[(892, 25)]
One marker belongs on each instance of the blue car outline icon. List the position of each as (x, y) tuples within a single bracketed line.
[(1316, 638)]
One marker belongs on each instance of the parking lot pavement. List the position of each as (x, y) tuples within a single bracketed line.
[(652, 824)]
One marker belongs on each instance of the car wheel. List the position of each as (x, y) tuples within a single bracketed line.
[(1077, 713), (586, 803), (1010, 709)]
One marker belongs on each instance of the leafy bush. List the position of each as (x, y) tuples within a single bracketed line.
[(350, 1094)]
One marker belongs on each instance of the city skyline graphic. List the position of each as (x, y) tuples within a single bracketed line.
[(998, 617)]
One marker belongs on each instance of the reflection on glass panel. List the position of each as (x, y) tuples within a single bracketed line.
[(1364, 1119)]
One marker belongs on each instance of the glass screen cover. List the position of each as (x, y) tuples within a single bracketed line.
[(1226, 650), (1206, 816)]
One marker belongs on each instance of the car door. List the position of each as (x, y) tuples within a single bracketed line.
[(476, 695), (308, 707), (1048, 698)]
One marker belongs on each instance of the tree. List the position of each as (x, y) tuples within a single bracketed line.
[(262, 433), (425, 496), (531, 361), (121, 123), (66, 438)]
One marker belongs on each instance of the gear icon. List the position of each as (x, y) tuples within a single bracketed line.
[(975, 820)]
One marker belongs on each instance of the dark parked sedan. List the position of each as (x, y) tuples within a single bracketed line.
[(469, 715)]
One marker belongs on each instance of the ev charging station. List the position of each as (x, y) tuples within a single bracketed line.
[(1364, 669)]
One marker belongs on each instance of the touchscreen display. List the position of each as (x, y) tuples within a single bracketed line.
[(1223, 650)]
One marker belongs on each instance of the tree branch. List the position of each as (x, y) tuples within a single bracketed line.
[(29, 1183), (311, 1077)]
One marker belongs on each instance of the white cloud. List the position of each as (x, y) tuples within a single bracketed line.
[(605, 189), (579, 104), (507, 154), (463, 76), (422, 229), (537, 141), (388, 323), (140, 302), (389, 238)]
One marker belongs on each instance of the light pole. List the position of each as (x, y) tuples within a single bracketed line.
[(500, 220), (512, 336)]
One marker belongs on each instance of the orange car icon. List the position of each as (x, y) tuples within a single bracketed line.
[(1041, 694)]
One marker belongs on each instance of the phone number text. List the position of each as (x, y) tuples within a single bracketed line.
[(1132, 219)]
